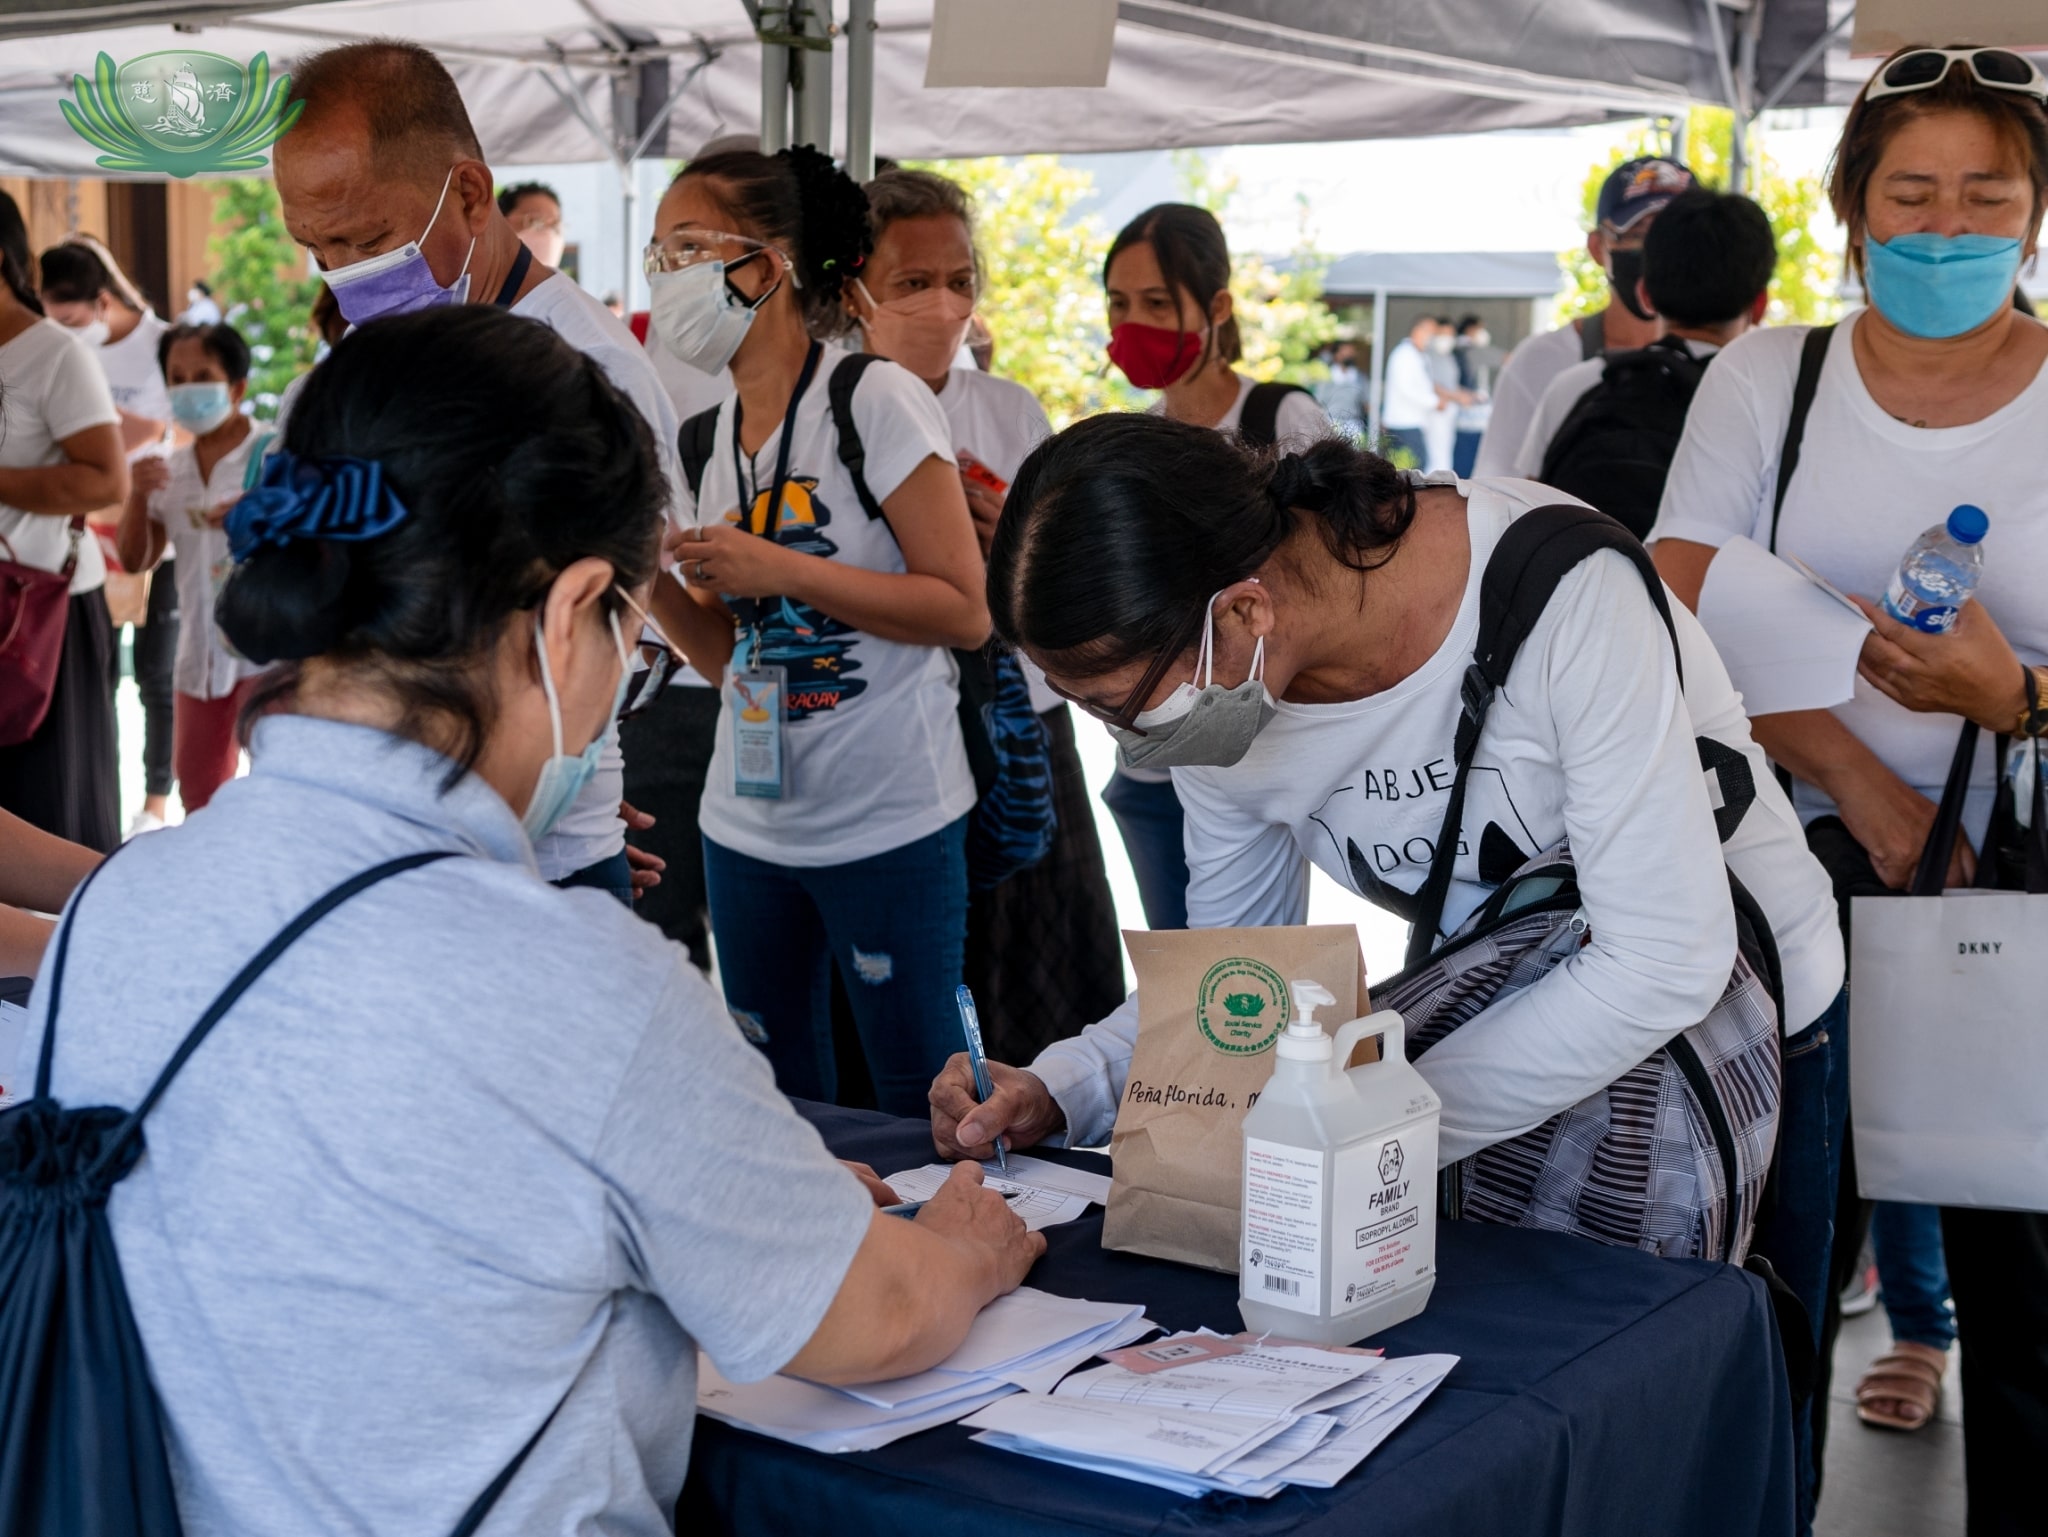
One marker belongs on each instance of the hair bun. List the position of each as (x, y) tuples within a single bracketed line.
[(835, 240), (1296, 480), (287, 602)]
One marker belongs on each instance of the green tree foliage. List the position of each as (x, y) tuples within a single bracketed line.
[(1804, 289), (261, 282)]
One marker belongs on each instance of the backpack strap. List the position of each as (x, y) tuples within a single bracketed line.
[(696, 440), (244, 979), (1533, 556), (1259, 423), (1592, 336), (839, 396), (480, 1507), (1813, 356)]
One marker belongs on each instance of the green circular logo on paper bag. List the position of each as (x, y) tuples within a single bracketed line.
[(1241, 1006)]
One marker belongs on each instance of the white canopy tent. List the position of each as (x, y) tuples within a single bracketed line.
[(551, 81)]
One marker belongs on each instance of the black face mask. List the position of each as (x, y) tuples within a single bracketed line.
[(1624, 271)]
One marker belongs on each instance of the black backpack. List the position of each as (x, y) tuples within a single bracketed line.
[(1014, 818), (1259, 423), (81, 1432), (1709, 1098), (1614, 450)]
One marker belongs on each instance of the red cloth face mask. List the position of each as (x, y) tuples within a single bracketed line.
[(1153, 357)]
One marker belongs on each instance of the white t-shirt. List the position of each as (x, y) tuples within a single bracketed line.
[(50, 388), (1564, 392), (872, 753), (133, 373), (999, 422), (1411, 400), (1590, 739), (591, 830), (690, 390), (205, 668), (1516, 392), (1867, 486)]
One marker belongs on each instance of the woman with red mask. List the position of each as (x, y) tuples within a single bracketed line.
[(1173, 328), (1042, 946)]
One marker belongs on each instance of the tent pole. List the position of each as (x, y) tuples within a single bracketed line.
[(860, 90), (1378, 389), (1745, 102), (774, 81), (1804, 62), (812, 118)]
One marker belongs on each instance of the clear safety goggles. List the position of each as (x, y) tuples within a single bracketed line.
[(688, 247)]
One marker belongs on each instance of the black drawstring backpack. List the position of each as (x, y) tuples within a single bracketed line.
[(81, 1433)]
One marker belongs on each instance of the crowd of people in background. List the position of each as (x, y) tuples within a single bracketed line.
[(687, 615)]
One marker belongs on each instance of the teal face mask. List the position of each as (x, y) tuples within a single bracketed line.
[(563, 776), (201, 407), (1936, 286)]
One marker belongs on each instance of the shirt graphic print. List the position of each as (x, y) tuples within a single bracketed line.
[(816, 649)]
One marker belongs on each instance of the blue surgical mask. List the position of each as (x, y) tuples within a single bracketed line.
[(201, 407), (564, 775), (397, 282), (1934, 286)]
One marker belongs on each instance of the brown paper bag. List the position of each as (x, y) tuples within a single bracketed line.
[(1211, 1003)]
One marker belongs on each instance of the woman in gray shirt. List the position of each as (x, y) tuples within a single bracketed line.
[(473, 1148)]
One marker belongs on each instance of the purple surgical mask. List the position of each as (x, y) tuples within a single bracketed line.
[(397, 282)]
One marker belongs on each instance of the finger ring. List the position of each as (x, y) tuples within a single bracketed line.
[(700, 570)]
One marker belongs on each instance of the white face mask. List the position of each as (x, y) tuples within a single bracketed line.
[(697, 317), (93, 333), (1481, 338), (1440, 344)]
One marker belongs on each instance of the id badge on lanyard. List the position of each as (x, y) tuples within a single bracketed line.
[(755, 699)]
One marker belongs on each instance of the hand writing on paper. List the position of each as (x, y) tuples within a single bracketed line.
[(1971, 671), (968, 1213), (1020, 1108)]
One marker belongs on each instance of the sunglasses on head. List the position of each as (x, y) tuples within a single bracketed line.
[(1997, 69)]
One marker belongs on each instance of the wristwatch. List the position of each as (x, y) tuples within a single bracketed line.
[(2033, 721)]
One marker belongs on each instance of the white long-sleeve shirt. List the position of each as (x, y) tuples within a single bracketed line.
[(1591, 740)]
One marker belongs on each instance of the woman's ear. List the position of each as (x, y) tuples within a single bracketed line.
[(1221, 307), (1249, 604), (576, 592)]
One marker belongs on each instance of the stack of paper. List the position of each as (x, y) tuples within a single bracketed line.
[(1028, 1340), (1250, 1423), (1044, 1194), (13, 1027)]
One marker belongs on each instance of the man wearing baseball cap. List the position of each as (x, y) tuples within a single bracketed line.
[(1629, 200)]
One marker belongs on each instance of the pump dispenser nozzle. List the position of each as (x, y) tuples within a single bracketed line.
[(1305, 1040)]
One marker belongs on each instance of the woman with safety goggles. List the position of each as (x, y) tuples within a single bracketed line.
[(830, 577), (1839, 445)]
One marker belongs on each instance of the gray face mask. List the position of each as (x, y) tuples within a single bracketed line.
[(1201, 724)]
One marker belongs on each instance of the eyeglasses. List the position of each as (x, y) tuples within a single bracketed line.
[(1997, 69), (681, 248), (539, 221), (1125, 716), (655, 664)]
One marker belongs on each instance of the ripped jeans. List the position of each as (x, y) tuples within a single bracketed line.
[(896, 927)]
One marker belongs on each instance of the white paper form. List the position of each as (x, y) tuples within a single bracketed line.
[(1409, 1383), (825, 1420), (1266, 1380), (1043, 1194), (1036, 1372), (1788, 644), (1176, 1440), (13, 1071)]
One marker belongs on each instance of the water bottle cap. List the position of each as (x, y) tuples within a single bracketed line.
[(1967, 524)]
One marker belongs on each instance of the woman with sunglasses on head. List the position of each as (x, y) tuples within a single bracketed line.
[(1174, 328), (1042, 946), (1933, 395), (477, 1164), (1291, 635), (835, 809)]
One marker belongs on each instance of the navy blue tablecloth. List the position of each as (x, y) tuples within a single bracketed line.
[(1602, 1393)]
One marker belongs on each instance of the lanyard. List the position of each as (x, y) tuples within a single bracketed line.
[(510, 289), (771, 517)]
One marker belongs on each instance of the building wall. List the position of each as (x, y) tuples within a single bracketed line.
[(156, 230)]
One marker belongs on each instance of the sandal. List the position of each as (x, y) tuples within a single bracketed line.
[(1908, 1376)]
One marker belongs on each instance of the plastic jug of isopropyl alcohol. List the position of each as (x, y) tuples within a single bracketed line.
[(1339, 1238)]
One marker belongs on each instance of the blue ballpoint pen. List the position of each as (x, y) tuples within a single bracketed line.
[(970, 1022)]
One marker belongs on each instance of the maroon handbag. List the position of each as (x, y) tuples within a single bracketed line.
[(33, 604)]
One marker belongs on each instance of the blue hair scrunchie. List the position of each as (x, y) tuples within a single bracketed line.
[(313, 499)]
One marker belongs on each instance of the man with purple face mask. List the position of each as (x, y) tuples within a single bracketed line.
[(384, 184)]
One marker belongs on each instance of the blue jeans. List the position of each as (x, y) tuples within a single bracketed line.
[(614, 875), (1153, 827), (1797, 1236), (1913, 1270), (1465, 453), (896, 927)]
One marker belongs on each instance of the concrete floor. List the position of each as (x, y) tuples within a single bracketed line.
[(1881, 1483)]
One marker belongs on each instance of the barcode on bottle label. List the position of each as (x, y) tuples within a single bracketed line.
[(1280, 1283)]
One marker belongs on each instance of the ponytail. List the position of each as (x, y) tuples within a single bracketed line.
[(1117, 530), (15, 269), (798, 200)]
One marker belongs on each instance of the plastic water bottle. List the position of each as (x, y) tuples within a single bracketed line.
[(1940, 572), (1339, 1236)]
